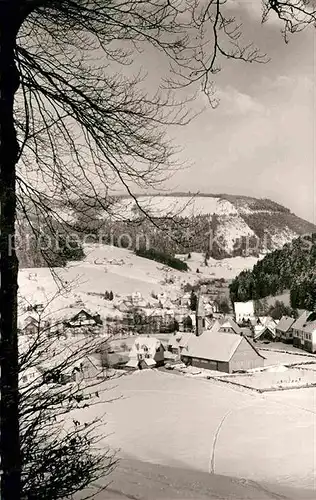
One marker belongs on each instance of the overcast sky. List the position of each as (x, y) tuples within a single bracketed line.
[(260, 139)]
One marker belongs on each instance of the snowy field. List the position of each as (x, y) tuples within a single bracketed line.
[(173, 420), (276, 378), (277, 357)]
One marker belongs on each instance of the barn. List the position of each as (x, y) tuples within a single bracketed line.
[(226, 352)]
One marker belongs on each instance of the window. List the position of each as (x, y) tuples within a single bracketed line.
[(147, 356)]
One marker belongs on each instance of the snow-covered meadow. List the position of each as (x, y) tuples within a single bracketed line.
[(168, 419), (275, 378)]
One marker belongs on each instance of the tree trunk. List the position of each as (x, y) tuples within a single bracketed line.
[(9, 405)]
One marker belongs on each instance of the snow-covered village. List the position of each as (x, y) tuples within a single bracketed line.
[(183, 357), (157, 250)]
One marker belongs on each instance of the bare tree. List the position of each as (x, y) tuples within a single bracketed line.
[(60, 377), (74, 122)]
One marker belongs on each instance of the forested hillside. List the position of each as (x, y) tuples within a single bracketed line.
[(291, 268), (218, 225)]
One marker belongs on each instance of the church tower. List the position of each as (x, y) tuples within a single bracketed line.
[(199, 317)]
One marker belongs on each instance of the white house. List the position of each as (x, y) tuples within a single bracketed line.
[(29, 376), (304, 331), (146, 352), (244, 311)]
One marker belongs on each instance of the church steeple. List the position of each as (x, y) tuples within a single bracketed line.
[(199, 316)]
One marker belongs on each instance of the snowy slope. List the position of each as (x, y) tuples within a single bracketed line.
[(123, 272), (188, 206)]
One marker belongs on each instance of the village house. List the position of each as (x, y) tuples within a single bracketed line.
[(173, 343), (83, 322), (264, 329), (226, 353), (138, 300), (184, 300), (29, 375), (244, 311), (264, 334), (31, 326), (146, 352), (178, 342), (304, 331), (284, 329), (228, 325)]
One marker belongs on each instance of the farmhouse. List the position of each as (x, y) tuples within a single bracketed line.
[(284, 329), (146, 352), (31, 326), (83, 318), (226, 353)]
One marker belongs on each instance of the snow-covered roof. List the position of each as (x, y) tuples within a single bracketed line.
[(216, 326), (261, 330), (267, 320), (310, 324), (185, 339), (301, 320), (132, 363), (285, 323), (149, 361), (229, 322), (145, 344), (210, 346), (174, 340)]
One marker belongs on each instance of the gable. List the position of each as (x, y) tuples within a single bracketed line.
[(82, 315), (246, 350)]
